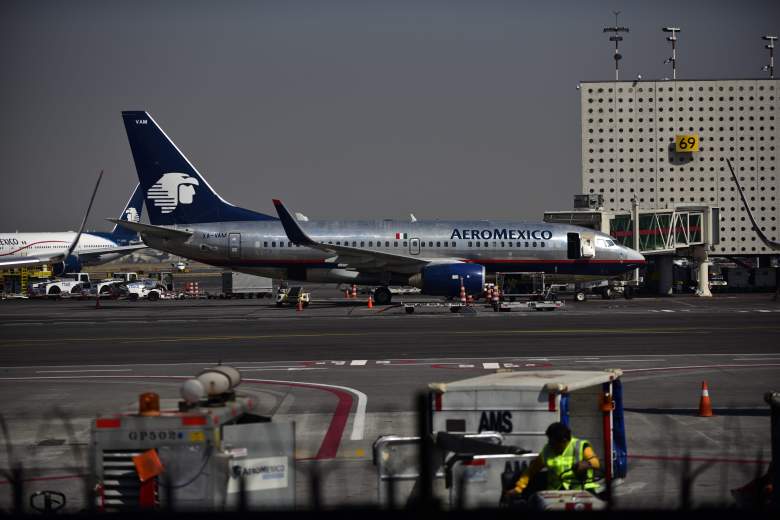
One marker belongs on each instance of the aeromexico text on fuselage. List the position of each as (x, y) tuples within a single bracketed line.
[(501, 234)]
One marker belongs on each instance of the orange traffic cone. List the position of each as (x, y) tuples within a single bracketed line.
[(370, 302), (705, 406), (299, 307), (354, 291)]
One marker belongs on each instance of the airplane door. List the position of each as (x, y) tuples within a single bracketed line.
[(573, 251), (234, 245), (414, 246)]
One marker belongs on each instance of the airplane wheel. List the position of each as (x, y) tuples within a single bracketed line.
[(628, 292), (154, 296), (579, 296), (382, 296), (606, 293)]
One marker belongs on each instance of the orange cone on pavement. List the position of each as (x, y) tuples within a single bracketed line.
[(705, 405), (370, 302), (354, 291), (299, 307)]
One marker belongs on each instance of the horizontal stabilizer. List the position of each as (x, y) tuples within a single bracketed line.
[(154, 231)]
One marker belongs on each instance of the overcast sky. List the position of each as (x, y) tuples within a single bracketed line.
[(353, 109)]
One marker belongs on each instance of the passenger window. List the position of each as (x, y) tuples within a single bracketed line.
[(405, 243), (526, 244), (438, 244), (534, 244), (273, 244), (519, 244), (541, 244), (265, 244), (387, 243), (354, 243), (470, 244), (338, 243), (370, 243), (430, 244), (395, 244), (502, 244), (281, 244), (362, 244)]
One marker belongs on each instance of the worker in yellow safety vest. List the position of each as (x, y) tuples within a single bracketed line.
[(569, 461)]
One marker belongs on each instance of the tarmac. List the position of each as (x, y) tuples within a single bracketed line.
[(64, 362)]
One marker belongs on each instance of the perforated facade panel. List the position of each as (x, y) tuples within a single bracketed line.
[(628, 147)]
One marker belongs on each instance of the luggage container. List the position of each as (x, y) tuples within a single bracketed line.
[(520, 406)]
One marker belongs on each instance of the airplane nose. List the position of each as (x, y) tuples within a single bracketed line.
[(634, 256)]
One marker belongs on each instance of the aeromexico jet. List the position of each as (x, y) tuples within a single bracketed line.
[(188, 218), (92, 248)]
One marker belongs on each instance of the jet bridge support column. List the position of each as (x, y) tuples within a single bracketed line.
[(701, 257), (665, 266)]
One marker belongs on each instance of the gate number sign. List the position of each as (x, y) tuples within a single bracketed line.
[(686, 143)]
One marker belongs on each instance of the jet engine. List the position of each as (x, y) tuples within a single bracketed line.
[(70, 265), (445, 279)]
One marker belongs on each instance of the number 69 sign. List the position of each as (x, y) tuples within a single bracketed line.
[(686, 143)]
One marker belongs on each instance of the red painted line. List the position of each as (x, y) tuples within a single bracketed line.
[(695, 367), (44, 479), (330, 443), (714, 460), (36, 243)]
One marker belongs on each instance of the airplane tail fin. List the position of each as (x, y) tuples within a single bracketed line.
[(132, 213), (175, 192)]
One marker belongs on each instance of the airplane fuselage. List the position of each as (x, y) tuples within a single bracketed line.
[(43, 243), (263, 248)]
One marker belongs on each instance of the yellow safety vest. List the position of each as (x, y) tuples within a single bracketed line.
[(560, 468)]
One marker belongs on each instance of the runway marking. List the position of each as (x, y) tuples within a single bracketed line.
[(332, 439), (491, 366), (617, 360), (358, 362), (359, 421), (83, 371), (694, 367), (481, 332)]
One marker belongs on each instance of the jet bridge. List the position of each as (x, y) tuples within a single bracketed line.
[(681, 230)]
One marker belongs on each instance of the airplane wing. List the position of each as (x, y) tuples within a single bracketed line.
[(155, 231), (775, 246), (28, 261), (354, 257), (108, 250)]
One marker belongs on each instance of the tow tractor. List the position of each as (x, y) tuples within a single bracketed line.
[(292, 296)]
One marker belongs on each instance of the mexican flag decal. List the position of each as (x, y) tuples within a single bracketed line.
[(399, 236)]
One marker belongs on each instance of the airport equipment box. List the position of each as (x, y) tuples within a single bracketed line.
[(521, 405), (200, 458)]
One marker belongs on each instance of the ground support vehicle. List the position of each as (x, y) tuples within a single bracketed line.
[(533, 305), (454, 307), (292, 296), (149, 290), (70, 286), (242, 285), (521, 405), (210, 451)]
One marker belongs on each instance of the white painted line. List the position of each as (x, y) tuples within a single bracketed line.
[(621, 360), (382, 362), (465, 366), (81, 371), (339, 362), (763, 310), (757, 359), (358, 362), (359, 421), (491, 366), (667, 310)]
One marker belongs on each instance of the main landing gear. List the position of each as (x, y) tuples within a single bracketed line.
[(382, 296)]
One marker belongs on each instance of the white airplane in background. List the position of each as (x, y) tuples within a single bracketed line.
[(68, 251)]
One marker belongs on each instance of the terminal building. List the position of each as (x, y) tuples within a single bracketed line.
[(663, 145)]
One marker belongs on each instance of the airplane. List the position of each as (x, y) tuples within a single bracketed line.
[(92, 248), (188, 218)]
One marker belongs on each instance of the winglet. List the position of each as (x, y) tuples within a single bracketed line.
[(294, 232), (86, 216)]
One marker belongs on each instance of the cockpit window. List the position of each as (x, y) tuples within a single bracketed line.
[(603, 242)]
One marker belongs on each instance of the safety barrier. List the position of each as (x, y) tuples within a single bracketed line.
[(397, 461)]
